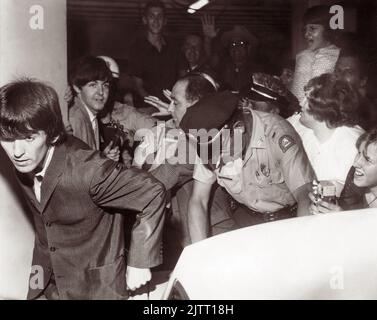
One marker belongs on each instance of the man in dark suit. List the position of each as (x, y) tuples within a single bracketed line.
[(71, 190)]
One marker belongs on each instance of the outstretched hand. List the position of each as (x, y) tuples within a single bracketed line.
[(163, 107), (208, 26)]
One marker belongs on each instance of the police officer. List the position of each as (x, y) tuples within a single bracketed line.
[(256, 156)]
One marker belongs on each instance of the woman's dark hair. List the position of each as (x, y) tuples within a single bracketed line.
[(28, 106), (368, 137), (321, 15), (332, 101)]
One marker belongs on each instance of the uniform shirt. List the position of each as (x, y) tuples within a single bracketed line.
[(311, 64), (332, 159), (274, 166)]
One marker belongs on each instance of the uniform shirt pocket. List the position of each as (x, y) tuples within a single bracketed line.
[(265, 176), (230, 176)]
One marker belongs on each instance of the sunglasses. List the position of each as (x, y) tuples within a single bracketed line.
[(238, 44)]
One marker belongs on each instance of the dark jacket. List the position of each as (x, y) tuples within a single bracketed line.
[(81, 125), (77, 238)]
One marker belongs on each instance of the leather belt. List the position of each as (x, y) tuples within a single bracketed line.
[(284, 213)]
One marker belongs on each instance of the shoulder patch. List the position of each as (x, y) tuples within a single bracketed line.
[(285, 142)]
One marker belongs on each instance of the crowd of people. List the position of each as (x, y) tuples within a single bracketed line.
[(219, 147)]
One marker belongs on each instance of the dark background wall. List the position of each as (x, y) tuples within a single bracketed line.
[(109, 27)]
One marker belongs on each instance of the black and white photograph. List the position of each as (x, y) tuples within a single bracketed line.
[(206, 150)]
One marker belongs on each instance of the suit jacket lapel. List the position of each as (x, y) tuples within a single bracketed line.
[(27, 185), (88, 123), (52, 176)]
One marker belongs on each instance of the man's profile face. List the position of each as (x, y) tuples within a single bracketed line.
[(94, 94), (179, 103), (192, 49), (347, 69), (154, 19), (28, 153)]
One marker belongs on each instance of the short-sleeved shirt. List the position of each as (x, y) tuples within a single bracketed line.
[(158, 70), (274, 166)]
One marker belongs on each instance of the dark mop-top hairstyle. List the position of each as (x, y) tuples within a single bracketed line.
[(28, 106)]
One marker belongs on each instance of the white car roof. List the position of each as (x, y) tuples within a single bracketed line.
[(329, 256)]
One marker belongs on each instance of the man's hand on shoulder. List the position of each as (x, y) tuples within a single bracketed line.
[(137, 277)]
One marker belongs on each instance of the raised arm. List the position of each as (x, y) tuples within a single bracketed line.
[(209, 32)]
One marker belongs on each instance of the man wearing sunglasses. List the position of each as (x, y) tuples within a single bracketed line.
[(241, 46), (256, 156)]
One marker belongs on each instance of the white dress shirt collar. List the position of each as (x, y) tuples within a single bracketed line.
[(38, 177)]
